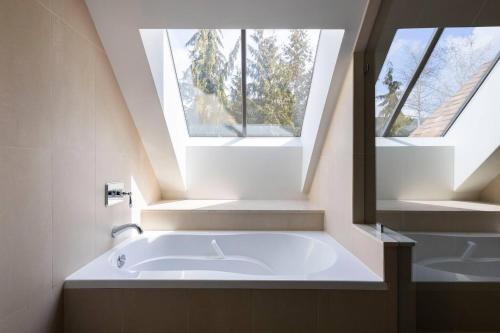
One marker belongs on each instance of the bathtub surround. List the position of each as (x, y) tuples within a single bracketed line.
[(194, 301), (232, 215), (492, 192), (226, 310), (64, 132), (437, 216)]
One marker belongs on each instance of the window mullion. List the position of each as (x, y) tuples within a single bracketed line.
[(244, 81)]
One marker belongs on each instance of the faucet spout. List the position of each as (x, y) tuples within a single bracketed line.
[(119, 229)]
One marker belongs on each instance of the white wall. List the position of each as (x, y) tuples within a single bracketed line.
[(326, 59), (244, 169), (414, 168), (476, 135)]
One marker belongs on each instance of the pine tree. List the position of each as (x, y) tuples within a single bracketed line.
[(270, 99), (236, 98), (277, 80), (298, 55), (389, 101), (208, 73)]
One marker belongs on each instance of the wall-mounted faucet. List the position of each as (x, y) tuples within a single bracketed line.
[(115, 193), (119, 229)]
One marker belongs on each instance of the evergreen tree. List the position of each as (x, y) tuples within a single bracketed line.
[(208, 74), (271, 100), (298, 56), (277, 80), (389, 101), (207, 62), (236, 98)]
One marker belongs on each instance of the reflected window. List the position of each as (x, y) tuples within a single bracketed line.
[(404, 55), (260, 92), (458, 62)]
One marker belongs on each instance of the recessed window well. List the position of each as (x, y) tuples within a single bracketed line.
[(238, 83), (429, 76)]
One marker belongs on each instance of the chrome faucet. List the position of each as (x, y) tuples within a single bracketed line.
[(119, 229)]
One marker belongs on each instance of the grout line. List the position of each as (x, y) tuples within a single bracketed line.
[(51, 95), (95, 196), (72, 28)]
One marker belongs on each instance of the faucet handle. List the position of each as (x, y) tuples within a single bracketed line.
[(129, 198), (114, 193), (123, 193)]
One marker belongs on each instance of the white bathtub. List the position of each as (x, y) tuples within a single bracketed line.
[(456, 257), (226, 260)]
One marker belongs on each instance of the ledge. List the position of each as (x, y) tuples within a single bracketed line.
[(439, 216), (288, 206), (244, 142), (433, 206), (232, 215)]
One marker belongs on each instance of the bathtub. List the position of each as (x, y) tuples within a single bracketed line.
[(456, 257), (225, 259)]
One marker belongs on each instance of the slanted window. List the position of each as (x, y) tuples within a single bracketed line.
[(429, 76), (244, 82)]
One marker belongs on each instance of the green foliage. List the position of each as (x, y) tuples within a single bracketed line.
[(207, 62), (277, 80), (271, 100), (297, 53), (389, 101), (208, 73)]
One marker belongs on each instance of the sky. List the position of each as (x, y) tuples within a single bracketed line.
[(416, 40)]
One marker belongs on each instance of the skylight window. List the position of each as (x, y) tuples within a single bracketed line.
[(429, 76), (237, 83)]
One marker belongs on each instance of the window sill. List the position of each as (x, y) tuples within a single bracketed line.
[(245, 142)]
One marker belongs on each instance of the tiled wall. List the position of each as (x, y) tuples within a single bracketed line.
[(64, 131), (332, 188), (492, 192), (227, 310)]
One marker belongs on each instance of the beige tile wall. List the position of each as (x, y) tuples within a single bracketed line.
[(226, 311), (231, 220), (64, 131), (492, 192), (332, 188)]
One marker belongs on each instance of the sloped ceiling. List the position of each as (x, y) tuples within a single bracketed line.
[(118, 23)]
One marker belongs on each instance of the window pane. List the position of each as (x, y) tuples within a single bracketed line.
[(405, 53), (279, 71), (459, 61), (208, 69)]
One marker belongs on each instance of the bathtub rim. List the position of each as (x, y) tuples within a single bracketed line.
[(374, 283), (420, 272)]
